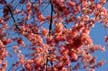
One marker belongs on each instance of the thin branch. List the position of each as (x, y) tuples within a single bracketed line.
[(10, 11), (15, 23), (46, 63), (51, 20), (33, 13)]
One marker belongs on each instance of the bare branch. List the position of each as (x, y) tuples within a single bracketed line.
[(51, 20)]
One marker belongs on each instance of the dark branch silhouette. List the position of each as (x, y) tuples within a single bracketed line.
[(15, 23), (51, 20)]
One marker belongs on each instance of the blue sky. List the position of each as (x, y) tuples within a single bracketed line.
[(97, 34)]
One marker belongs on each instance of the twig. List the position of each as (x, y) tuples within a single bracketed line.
[(46, 63), (51, 20), (15, 23)]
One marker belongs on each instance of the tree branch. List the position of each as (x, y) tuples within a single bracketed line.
[(51, 20), (46, 64), (15, 23)]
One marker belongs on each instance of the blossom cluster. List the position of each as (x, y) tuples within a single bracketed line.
[(23, 28)]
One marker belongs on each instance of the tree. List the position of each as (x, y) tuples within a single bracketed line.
[(36, 33)]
